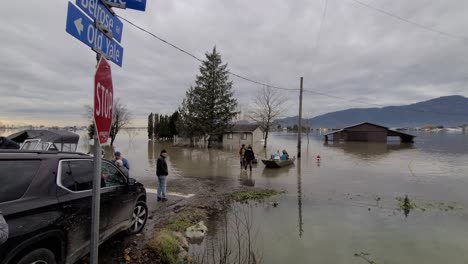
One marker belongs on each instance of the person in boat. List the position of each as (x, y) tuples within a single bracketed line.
[(6, 143), (249, 156), (285, 155), (241, 156)]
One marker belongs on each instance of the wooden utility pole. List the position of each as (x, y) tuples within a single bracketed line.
[(299, 126)]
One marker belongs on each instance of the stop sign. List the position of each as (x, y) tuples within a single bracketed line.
[(103, 98)]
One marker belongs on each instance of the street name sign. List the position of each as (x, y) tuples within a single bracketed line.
[(103, 100), (131, 4), (98, 11), (83, 29)]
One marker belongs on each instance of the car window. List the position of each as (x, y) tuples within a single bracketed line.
[(16, 177), (30, 145), (53, 147), (77, 175), (111, 175)]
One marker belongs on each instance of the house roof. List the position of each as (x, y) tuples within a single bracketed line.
[(243, 128)]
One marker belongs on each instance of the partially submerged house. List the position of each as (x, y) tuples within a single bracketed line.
[(367, 132), (243, 134)]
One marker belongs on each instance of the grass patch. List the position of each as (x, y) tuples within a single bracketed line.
[(405, 204), (179, 225), (185, 219), (256, 195), (166, 245)]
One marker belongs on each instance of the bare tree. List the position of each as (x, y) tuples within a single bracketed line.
[(121, 117), (269, 104)]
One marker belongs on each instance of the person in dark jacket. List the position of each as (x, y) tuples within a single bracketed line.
[(3, 229), (162, 172), (6, 143), (241, 155), (249, 156)]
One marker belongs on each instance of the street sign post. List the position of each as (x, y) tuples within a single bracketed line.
[(130, 4), (102, 112), (98, 11), (99, 35), (103, 99), (83, 28)]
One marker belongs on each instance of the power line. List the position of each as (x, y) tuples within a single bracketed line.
[(273, 86), (200, 60), (319, 34), (408, 21), (161, 39), (382, 106)]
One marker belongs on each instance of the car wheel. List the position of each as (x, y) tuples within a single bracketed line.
[(139, 217), (38, 256)]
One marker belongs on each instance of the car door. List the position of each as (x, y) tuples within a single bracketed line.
[(75, 181), (120, 196)]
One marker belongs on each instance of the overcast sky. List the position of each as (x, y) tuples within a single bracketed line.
[(46, 76)]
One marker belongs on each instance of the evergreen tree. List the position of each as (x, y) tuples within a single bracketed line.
[(150, 126), (172, 123), (188, 124), (156, 127), (212, 100), (164, 131)]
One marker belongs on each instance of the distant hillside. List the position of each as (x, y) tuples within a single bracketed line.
[(446, 111)]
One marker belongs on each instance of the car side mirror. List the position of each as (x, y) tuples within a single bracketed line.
[(131, 181)]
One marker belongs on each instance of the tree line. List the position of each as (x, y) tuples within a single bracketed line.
[(162, 127)]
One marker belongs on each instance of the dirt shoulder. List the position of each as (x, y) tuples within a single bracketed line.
[(211, 196)]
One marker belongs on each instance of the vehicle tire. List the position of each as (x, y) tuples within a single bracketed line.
[(38, 256), (139, 217)]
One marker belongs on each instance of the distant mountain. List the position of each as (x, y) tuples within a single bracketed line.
[(446, 111)]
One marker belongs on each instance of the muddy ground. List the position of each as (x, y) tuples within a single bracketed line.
[(211, 196)]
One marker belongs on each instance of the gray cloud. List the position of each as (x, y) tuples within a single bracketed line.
[(47, 75)]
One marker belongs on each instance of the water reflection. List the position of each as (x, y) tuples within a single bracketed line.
[(276, 172), (245, 178), (299, 197), (368, 149)]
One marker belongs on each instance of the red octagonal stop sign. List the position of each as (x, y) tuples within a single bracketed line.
[(103, 98)]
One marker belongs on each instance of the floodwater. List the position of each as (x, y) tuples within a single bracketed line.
[(346, 204)]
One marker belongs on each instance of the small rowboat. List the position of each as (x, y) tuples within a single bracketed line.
[(278, 163)]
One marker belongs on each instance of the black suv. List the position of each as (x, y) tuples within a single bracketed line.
[(45, 198)]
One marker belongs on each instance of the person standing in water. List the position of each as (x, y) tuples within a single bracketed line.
[(241, 156), (162, 172), (249, 156)]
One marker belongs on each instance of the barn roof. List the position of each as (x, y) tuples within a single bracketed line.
[(390, 132)]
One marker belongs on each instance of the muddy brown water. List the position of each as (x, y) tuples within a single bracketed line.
[(345, 204)]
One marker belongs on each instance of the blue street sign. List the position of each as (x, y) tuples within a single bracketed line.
[(82, 28), (131, 4), (96, 10)]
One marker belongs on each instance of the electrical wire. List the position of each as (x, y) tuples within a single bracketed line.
[(408, 21)]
